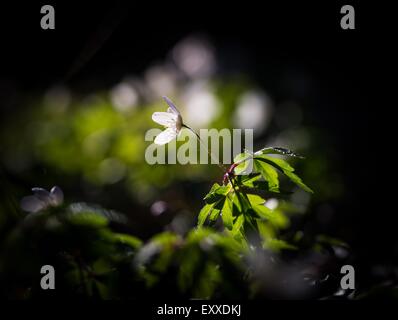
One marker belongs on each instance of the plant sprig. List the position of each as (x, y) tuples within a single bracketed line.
[(241, 200)]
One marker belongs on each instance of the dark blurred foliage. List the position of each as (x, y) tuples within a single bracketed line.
[(76, 102)]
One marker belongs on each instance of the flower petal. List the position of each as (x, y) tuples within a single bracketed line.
[(166, 136), (32, 204), (42, 194), (165, 118), (57, 196), (173, 108)]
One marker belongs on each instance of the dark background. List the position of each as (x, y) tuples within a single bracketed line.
[(93, 46)]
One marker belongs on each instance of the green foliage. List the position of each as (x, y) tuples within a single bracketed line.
[(78, 240), (96, 255), (240, 201), (204, 263)]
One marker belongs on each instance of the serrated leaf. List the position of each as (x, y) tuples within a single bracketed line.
[(245, 163), (269, 174), (243, 202), (214, 215), (217, 193), (227, 213), (249, 179), (238, 224), (263, 212), (257, 204), (236, 208), (278, 150), (215, 211), (255, 199), (204, 213), (213, 188), (287, 169), (241, 157)]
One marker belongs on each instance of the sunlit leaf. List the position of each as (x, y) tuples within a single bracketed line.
[(204, 213), (284, 167), (257, 204), (265, 229), (248, 180), (238, 224), (214, 215), (255, 199), (241, 157), (227, 213), (278, 150), (244, 161), (216, 193), (269, 174)]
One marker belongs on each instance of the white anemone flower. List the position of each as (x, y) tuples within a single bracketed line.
[(171, 120), (42, 199)]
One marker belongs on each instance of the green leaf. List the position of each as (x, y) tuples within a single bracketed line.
[(279, 220), (243, 201), (227, 213), (255, 199), (278, 150), (237, 208), (248, 180), (238, 224), (88, 219), (211, 211), (214, 215), (269, 174), (277, 245), (265, 229), (217, 193), (263, 212), (257, 204), (241, 157), (128, 240), (283, 166), (244, 161), (204, 213), (83, 208), (209, 195)]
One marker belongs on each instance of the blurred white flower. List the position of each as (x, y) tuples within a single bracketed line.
[(42, 199), (253, 111), (195, 57), (202, 106), (158, 208), (161, 80), (124, 97), (171, 120)]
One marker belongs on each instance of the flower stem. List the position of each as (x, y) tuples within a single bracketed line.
[(221, 166)]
